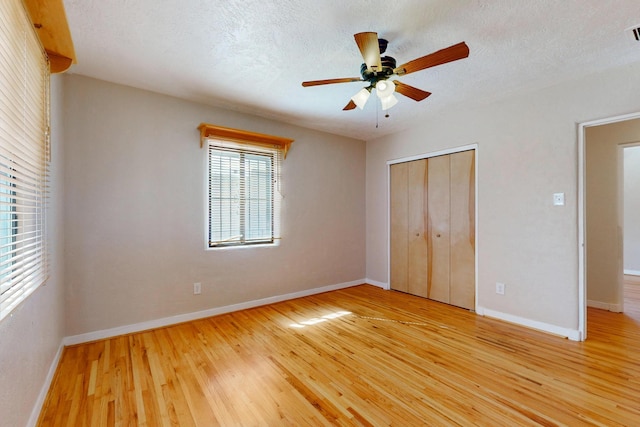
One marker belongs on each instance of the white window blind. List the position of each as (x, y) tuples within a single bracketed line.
[(242, 194), (24, 152)]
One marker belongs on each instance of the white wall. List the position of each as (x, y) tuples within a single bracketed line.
[(134, 178), (632, 210), (32, 334), (527, 151)]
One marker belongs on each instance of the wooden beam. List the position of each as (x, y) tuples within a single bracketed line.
[(50, 22)]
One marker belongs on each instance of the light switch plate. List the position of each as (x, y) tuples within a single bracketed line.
[(558, 199)]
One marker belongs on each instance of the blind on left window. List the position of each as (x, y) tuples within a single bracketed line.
[(24, 156)]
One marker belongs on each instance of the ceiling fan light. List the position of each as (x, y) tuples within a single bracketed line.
[(388, 101), (360, 98), (385, 88)]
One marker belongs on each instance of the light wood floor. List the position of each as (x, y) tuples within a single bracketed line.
[(632, 296), (360, 356)]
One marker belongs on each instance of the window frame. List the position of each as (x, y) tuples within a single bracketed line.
[(244, 200), (250, 142)]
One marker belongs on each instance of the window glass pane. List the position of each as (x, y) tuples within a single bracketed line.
[(8, 228), (224, 196), (258, 196)]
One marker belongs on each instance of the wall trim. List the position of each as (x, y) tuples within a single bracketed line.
[(632, 272), (382, 285), (572, 334), (615, 308), (181, 318), (37, 407)]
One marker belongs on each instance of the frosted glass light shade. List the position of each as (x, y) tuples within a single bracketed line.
[(361, 98), (388, 101), (385, 88)]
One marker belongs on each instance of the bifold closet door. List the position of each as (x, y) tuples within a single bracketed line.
[(417, 238), (451, 194), (408, 227), (462, 289), (399, 245), (438, 214)]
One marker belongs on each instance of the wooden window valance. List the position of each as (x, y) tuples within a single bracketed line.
[(243, 136), (50, 21)]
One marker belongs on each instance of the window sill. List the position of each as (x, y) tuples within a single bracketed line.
[(236, 247)]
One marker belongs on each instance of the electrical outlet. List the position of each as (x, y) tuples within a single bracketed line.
[(500, 287), (197, 288)]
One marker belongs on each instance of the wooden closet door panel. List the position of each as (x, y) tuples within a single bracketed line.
[(462, 281), (399, 249), (417, 236), (438, 228)]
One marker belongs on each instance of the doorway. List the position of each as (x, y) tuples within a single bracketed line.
[(631, 232), (631, 209), (600, 212)]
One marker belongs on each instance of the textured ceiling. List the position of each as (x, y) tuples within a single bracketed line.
[(252, 55)]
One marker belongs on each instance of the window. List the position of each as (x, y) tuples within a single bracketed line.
[(24, 151), (243, 191), (241, 196)]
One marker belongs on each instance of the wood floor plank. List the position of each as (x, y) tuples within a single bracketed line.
[(360, 356)]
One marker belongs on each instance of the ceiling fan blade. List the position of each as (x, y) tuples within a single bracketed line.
[(448, 54), (370, 50), (331, 81), (410, 91), (350, 106)]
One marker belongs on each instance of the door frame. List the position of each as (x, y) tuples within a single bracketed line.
[(582, 208), (621, 202), (422, 157)]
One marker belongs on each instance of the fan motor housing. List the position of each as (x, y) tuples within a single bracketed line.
[(373, 77)]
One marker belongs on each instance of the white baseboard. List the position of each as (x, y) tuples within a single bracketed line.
[(378, 284), (572, 334), (632, 272), (605, 306), (172, 320), (37, 407)]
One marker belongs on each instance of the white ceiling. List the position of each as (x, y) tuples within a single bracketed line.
[(252, 55)]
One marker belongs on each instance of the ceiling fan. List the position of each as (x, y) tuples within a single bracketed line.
[(377, 71)]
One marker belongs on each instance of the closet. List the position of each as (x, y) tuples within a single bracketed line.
[(433, 228)]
